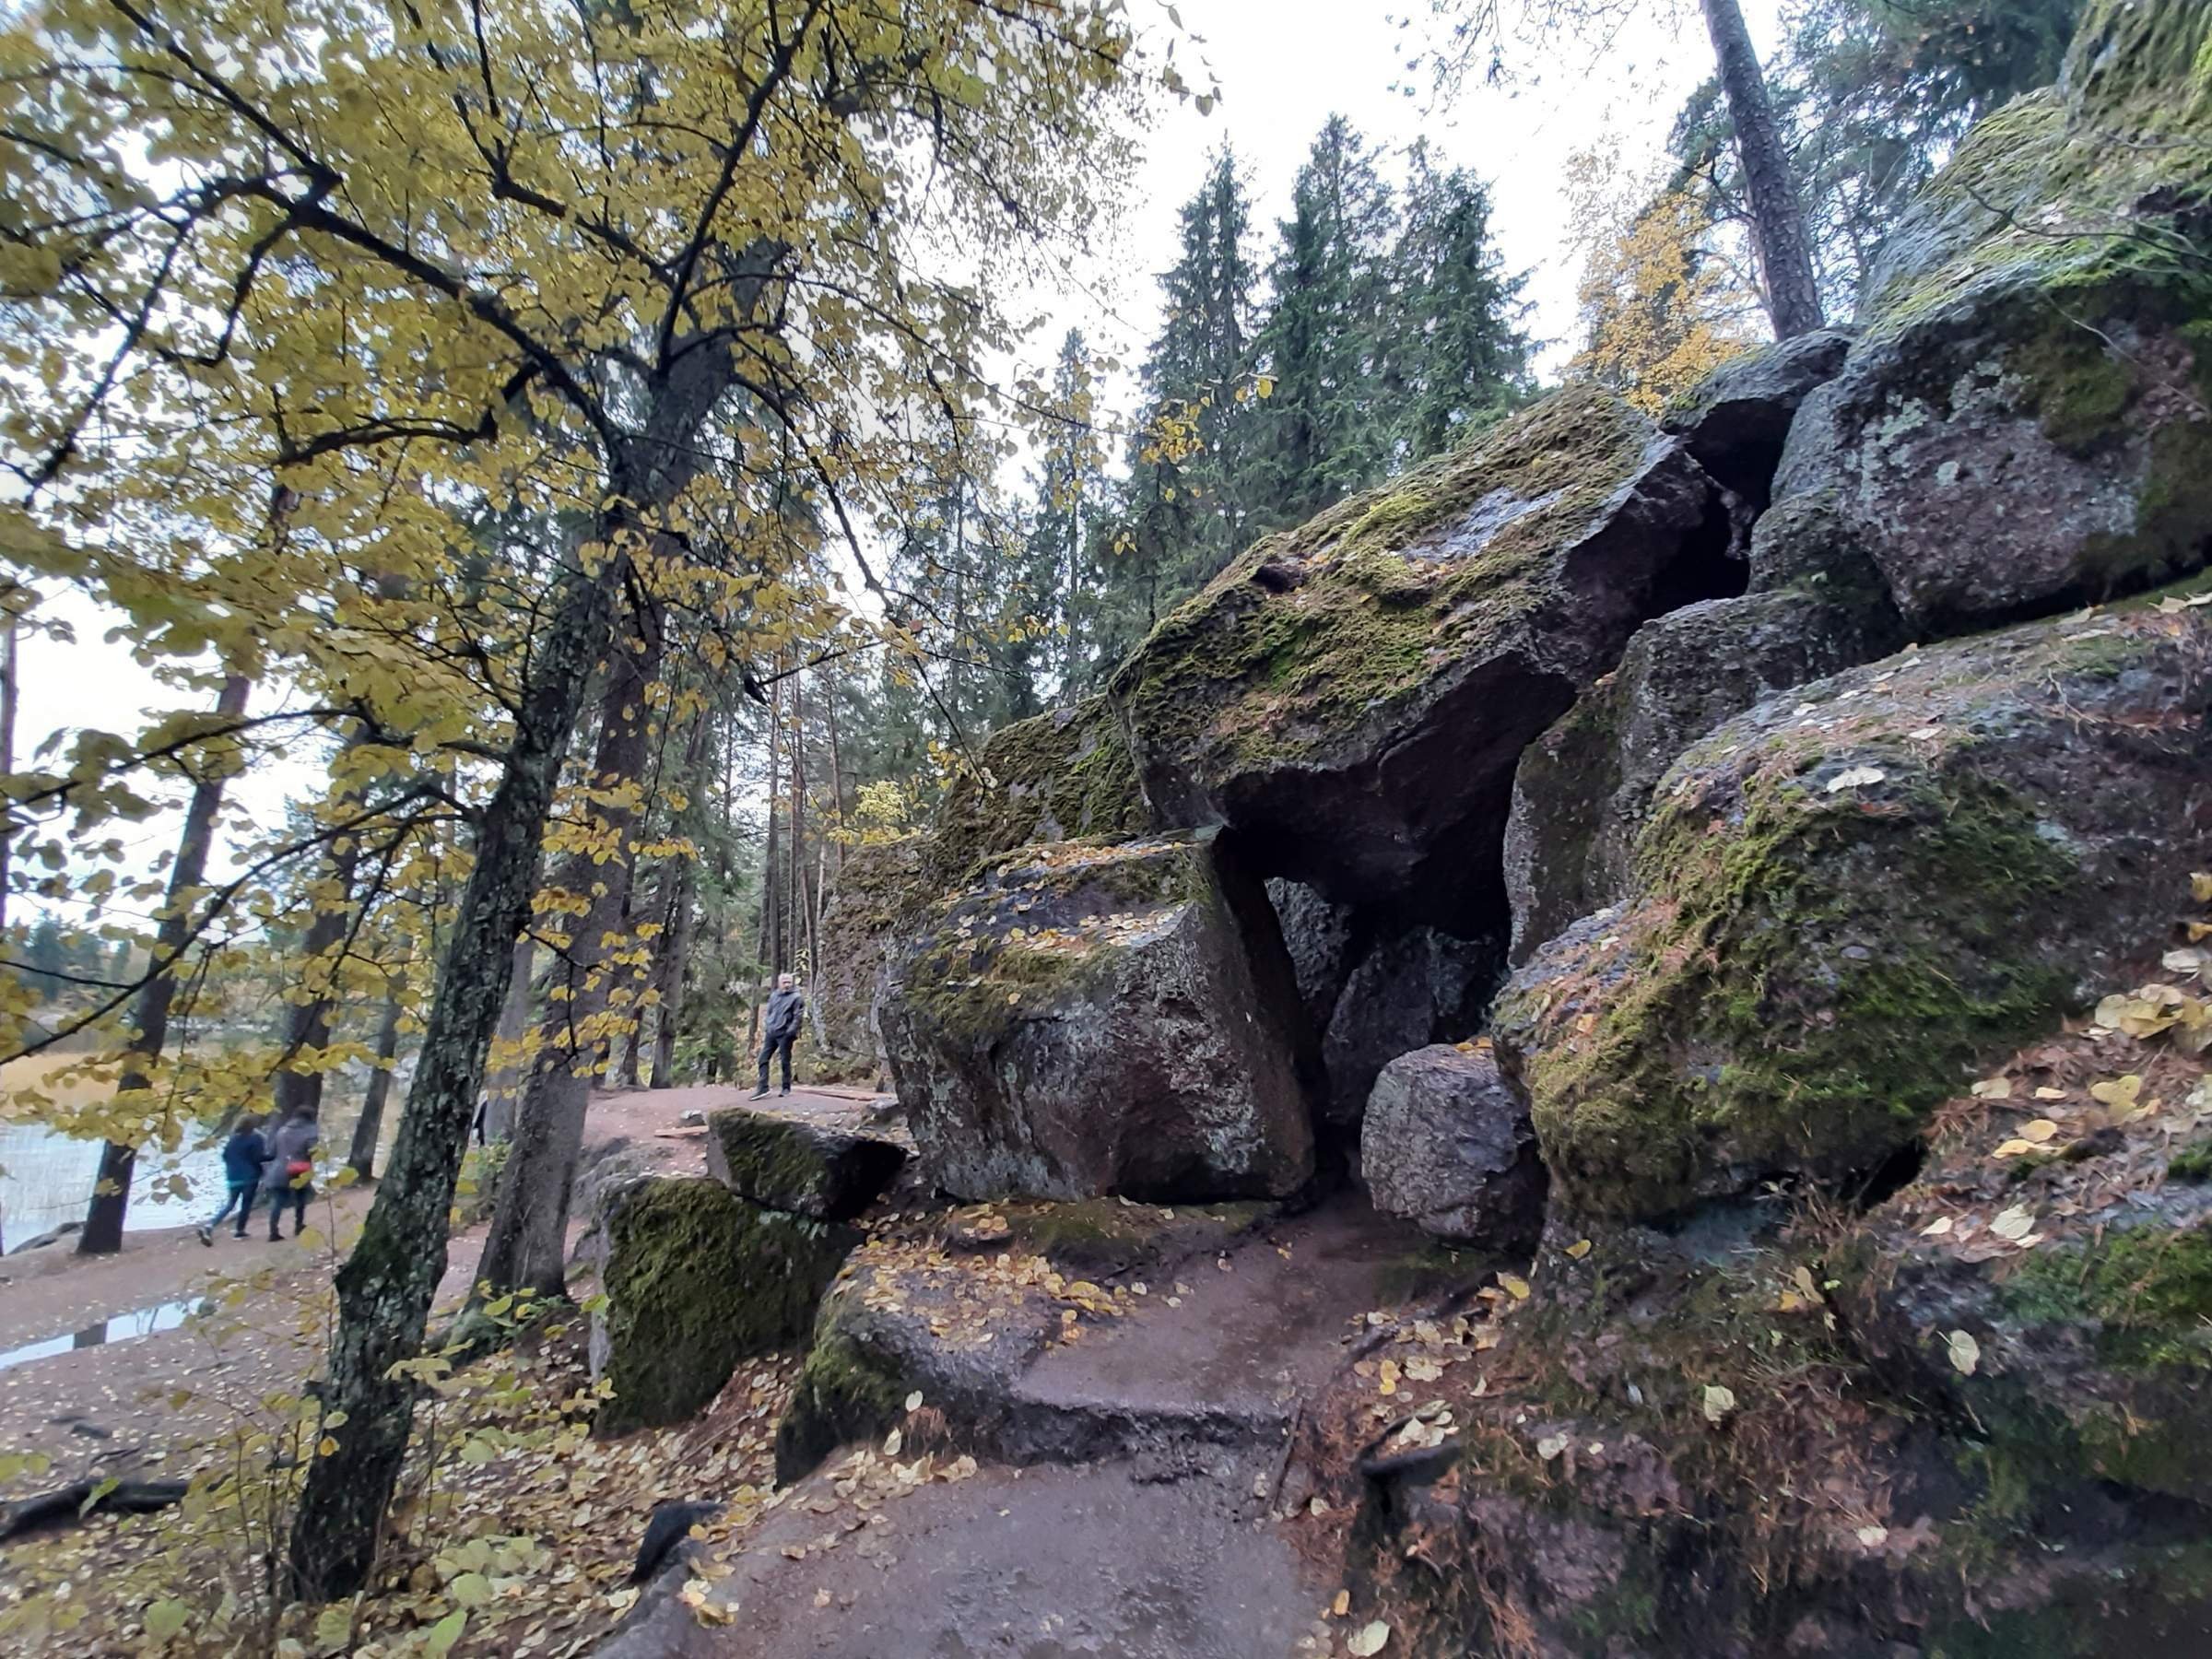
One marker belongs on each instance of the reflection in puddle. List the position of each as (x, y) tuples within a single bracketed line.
[(143, 1321)]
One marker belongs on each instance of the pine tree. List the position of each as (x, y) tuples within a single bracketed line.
[(1324, 435), (1456, 358)]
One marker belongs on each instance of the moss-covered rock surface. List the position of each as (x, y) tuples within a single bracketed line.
[(1105, 1019), (821, 1161), (2023, 423), (1355, 692), (1851, 895), (880, 890), (1065, 775), (696, 1279), (1583, 789)]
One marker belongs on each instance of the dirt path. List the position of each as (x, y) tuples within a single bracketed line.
[(112, 1398)]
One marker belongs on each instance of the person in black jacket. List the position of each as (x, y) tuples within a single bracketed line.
[(786, 1007), (243, 1154)]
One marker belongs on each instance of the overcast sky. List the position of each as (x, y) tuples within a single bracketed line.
[(1282, 68)]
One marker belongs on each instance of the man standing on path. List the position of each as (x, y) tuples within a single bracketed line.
[(786, 1007)]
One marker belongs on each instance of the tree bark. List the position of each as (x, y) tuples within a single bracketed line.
[(369, 1125), (385, 1287), (112, 1189), (307, 1024), (1778, 232), (502, 1093), (771, 903), (526, 1247)]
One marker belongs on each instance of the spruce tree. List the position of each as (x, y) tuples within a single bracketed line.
[(1324, 435), (1456, 358)]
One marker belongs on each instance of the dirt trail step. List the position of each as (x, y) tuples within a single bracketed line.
[(1132, 1510)]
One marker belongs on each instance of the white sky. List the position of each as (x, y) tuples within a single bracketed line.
[(1283, 67)]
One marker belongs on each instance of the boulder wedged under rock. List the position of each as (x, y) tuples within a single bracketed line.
[(1406, 991), (1849, 895), (830, 1165), (697, 1279), (1098, 1019), (1448, 1146), (1322, 940), (1583, 789), (1353, 694)]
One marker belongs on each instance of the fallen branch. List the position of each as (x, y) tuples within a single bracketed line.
[(84, 1498)]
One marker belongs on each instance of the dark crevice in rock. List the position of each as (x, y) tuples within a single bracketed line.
[(1711, 563), (1892, 1176)]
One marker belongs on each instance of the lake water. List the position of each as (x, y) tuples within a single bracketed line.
[(46, 1179), (145, 1321)]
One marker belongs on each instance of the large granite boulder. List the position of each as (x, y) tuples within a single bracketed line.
[(880, 893), (1736, 419), (1584, 787), (697, 1279), (1847, 896), (1446, 1144), (1093, 1019), (1354, 694), (2023, 422), (827, 1162), (1065, 775), (1408, 989)]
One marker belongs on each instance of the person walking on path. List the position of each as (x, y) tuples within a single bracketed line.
[(243, 1154), (786, 1007), (292, 1171)]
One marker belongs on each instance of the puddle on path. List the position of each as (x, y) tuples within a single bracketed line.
[(143, 1321)]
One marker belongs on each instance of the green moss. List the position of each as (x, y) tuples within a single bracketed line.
[(697, 1279), (1725, 1021), (844, 1394), (1378, 596), (2192, 1162), (1044, 929), (1063, 776), (2077, 386), (2146, 1290)]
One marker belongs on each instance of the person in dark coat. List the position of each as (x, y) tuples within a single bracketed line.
[(243, 1154), (786, 1007), (291, 1178)]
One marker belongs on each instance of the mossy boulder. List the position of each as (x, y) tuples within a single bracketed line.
[(1096, 1019), (1851, 894), (1353, 694), (1583, 789), (2023, 423), (697, 1279), (879, 892), (819, 1163), (1065, 775)]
